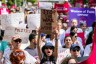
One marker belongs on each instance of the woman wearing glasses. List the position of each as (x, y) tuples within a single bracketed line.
[(17, 56)]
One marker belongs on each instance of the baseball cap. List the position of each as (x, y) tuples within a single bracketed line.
[(74, 46), (42, 34), (48, 44), (15, 37)]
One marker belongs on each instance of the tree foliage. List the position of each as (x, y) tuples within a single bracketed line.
[(32, 1)]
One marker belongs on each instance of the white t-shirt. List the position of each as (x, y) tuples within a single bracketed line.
[(29, 59), (62, 36), (87, 50)]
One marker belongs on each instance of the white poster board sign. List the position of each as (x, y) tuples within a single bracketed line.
[(11, 31), (62, 53), (12, 19), (45, 5), (33, 21)]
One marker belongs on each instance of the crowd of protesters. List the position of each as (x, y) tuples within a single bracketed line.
[(43, 48)]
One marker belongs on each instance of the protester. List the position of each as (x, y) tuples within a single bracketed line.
[(32, 48), (76, 41), (74, 22), (69, 60), (17, 57), (52, 39), (3, 46), (61, 34), (7, 52), (68, 42), (75, 51), (43, 39), (16, 42), (48, 57), (49, 52)]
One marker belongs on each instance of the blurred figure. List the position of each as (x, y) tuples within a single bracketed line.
[(17, 57), (68, 42), (48, 57), (69, 60), (75, 51), (43, 39), (74, 29), (74, 22), (76, 41), (16, 42), (32, 48), (61, 33), (83, 26), (65, 26)]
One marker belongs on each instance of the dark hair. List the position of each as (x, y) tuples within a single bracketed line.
[(93, 25), (51, 59), (1, 38), (89, 39), (48, 36), (66, 60), (72, 28), (32, 36), (66, 37), (72, 34)]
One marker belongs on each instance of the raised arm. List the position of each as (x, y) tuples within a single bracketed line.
[(56, 44), (38, 45)]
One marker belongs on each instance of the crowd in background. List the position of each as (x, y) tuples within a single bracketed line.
[(43, 48)]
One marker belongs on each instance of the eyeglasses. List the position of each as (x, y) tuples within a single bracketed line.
[(76, 50), (18, 40), (18, 53), (48, 48)]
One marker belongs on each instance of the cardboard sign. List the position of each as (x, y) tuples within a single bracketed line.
[(62, 53), (85, 15), (48, 21), (33, 21)]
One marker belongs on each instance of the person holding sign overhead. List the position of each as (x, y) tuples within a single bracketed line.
[(49, 51)]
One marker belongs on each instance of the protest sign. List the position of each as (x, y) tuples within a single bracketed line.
[(85, 15), (92, 3), (4, 11), (24, 33), (12, 19), (45, 5), (11, 31), (33, 21), (78, 3), (48, 21), (62, 8), (62, 53)]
